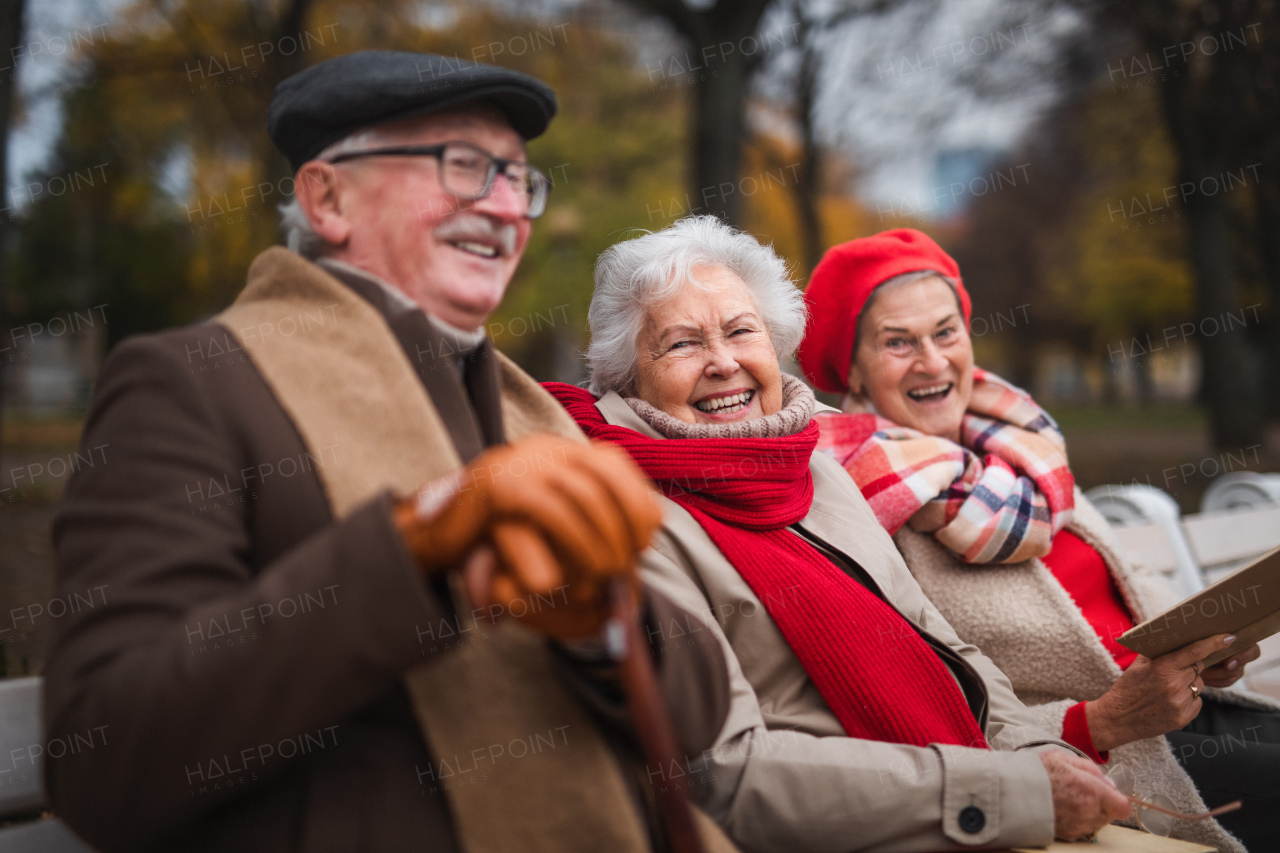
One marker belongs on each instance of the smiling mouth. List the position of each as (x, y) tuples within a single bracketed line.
[(932, 393), (725, 405), (483, 250)]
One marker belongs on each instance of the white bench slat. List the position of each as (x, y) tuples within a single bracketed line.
[(21, 785), (1263, 675), (42, 836), (1141, 505), (1234, 536), (1147, 544)]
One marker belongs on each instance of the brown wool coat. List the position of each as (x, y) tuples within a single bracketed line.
[(783, 775), (1022, 618), (263, 617)]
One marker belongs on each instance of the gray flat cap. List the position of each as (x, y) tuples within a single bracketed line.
[(328, 101)]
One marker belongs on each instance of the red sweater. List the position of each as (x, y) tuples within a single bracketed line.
[(1084, 575)]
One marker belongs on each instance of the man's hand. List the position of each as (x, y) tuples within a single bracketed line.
[(1084, 800), (542, 520), (1152, 696), (1227, 672), (560, 607)]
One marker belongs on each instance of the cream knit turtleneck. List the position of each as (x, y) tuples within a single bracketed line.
[(797, 410)]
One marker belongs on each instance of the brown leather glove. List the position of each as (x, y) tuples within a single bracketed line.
[(542, 520), (574, 605)]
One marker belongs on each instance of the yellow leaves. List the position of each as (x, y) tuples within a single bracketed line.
[(1122, 265)]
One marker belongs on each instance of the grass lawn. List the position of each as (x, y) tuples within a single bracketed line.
[(1129, 418), (1163, 446)]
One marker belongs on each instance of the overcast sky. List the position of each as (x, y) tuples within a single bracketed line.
[(52, 27), (900, 91)]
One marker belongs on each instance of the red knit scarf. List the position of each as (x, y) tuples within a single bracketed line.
[(880, 678)]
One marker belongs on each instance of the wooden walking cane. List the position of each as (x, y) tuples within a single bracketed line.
[(627, 645)]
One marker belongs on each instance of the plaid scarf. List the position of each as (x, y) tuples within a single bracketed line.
[(999, 498)]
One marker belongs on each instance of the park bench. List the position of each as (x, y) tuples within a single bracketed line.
[(24, 827), (1239, 520)]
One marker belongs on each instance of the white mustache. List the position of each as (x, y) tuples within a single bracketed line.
[(479, 229)]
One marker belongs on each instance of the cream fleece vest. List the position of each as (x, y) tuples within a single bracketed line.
[(1022, 618)]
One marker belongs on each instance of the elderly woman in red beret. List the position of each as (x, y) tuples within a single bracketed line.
[(971, 478)]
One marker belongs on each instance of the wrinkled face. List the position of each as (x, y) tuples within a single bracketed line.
[(452, 256), (914, 360), (705, 356)]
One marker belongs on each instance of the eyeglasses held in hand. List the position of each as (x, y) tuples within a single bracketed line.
[(467, 171), (1156, 813)]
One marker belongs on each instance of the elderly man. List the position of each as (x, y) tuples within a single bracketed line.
[(337, 527)]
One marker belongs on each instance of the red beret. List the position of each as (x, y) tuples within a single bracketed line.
[(840, 285)]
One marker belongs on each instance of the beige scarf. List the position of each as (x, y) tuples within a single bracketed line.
[(308, 335)]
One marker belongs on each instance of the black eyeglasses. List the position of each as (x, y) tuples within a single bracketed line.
[(467, 171)]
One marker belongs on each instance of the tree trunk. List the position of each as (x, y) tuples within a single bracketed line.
[(723, 54), (809, 177), (292, 23), (11, 12), (1199, 117), (1267, 241), (1144, 382), (1233, 419), (719, 125), (1110, 382)]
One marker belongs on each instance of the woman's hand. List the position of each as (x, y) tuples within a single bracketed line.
[(1084, 800), (1226, 673), (1153, 696)]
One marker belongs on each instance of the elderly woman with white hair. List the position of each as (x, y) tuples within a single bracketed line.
[(859, 720)]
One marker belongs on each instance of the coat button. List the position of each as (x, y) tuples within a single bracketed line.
[(972, 819)]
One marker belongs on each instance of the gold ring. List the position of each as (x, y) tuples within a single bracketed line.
[(1195, 691)]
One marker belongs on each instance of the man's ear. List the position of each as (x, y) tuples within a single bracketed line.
[(319, 195)]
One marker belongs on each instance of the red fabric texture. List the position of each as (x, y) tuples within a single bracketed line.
[(1075, 731), (880, 678), (1083, 574), (840, 285)]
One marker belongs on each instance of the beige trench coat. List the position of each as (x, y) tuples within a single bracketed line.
[(1050, 652), (783, 775)]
